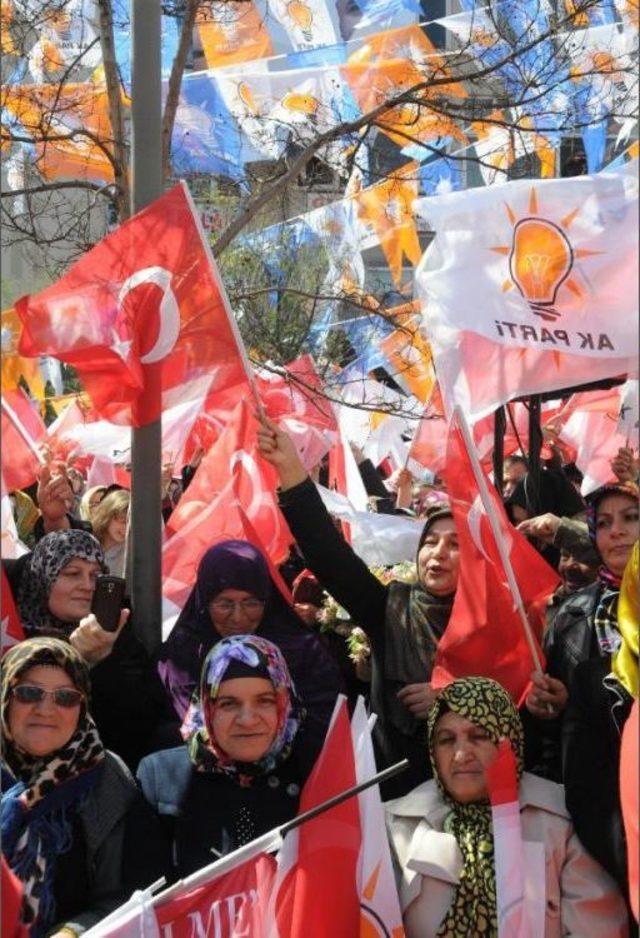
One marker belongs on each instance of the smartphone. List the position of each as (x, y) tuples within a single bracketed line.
[(107, 601)]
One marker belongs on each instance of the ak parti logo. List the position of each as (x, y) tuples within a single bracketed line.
[(541, 258)]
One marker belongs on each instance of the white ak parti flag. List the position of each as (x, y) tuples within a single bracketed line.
[(530, 287)]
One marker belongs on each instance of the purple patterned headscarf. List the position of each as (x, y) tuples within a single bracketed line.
[(254, 654)]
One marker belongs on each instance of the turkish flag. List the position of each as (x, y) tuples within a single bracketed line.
[(485, 635), (12, 631), (143, 316), (317, 882), (232, 495), (429, 443), (22, 429), (228, 906), (298, 393)]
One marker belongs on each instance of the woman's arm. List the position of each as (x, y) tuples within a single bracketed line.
[(329, 557)]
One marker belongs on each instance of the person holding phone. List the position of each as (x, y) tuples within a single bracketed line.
[(61, 583)]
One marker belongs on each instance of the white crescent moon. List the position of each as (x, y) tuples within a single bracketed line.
[(259, 499), (169, 310)]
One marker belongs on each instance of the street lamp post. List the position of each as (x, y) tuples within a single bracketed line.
[(146, 186)]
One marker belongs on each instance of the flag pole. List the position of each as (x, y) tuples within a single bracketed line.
[(146, 187), (273, 838), (497, 534)]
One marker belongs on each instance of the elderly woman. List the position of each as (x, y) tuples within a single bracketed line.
[(442, 833), (68, 806), (404, 622), (54, 597), (239, 774), (235, 594), (585, 626)]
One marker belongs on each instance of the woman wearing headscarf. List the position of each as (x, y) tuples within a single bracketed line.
[(67, 804), (235, 594), (54, 597), (238, 776), (586, 626), (404, 622), (602, 692), (442, 832)]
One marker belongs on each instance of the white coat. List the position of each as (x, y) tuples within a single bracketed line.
[(581, 899)]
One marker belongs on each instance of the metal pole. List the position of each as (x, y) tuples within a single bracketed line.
[(146, 186), (498, 449), (535, 445)]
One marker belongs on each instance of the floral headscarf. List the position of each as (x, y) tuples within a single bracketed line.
[(265, 658), (40, 794), (488, 705), (605, 618), (49, 557)]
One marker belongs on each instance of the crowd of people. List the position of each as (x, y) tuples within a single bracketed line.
[(120, 766)]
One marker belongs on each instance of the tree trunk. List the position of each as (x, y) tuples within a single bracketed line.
[(175, 82), (114, 95)]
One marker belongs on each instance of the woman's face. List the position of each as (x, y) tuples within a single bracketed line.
[(117, 529), (439, 558), (72, 591), (243, 718), (42, 728), (617, 529), (235, 612), (462, 751)]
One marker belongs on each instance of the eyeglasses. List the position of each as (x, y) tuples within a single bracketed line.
[(66, 697), (249, 606)]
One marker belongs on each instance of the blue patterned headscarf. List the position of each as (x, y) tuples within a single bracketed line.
[(266, 660)]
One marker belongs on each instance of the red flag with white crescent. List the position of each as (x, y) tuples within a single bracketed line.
[(485, 634), (144, 308)]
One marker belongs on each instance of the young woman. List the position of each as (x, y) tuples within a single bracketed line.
[(68, 806), (442, 833), (109, 522), (239, 774)]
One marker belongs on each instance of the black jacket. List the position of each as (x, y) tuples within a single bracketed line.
[(591, 736), (207, 815), (344, 575), (116, 848), (570, 640)]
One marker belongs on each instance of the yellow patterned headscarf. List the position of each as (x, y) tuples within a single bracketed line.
[(624, 663), (488, 705)]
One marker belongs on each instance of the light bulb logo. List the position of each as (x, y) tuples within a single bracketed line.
[(541, 259), (302, 16)]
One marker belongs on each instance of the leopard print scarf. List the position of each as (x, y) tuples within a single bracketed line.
[(49, 557), (40, 793), (485, 703)]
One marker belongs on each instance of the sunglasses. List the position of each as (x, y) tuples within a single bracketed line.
[(66, 697)]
